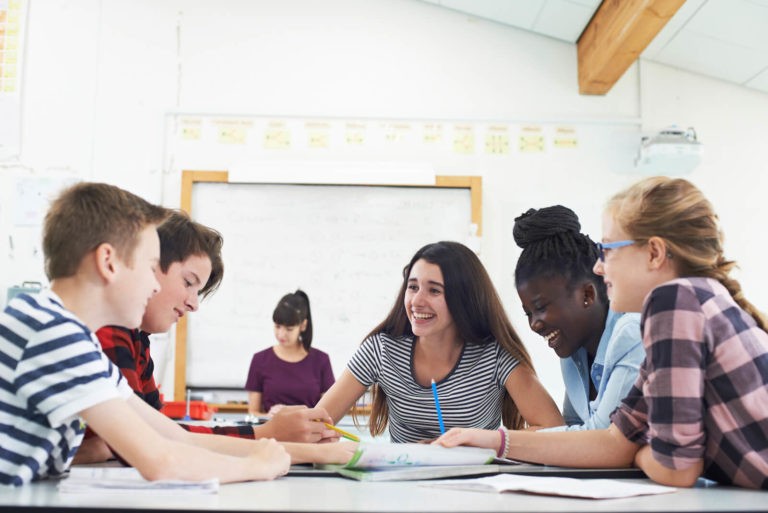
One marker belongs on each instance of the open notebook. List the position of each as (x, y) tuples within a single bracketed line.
[(405, 462)]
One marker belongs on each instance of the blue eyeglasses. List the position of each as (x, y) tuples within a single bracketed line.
[(602, 246)]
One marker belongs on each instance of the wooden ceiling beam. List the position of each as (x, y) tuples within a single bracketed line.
[(616, 36)]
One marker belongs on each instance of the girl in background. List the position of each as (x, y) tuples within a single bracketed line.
[(700, 403), (566, 303), (291, 372), (447, 325)]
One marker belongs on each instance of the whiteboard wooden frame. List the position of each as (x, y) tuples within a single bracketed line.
[(190, 178)]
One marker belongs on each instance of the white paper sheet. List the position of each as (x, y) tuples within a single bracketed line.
[(565, 486), (128, 480)]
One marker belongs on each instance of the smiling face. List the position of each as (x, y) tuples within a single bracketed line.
[(559, 314), (425, 303), (628, 278), (136, 283), (181, 285)]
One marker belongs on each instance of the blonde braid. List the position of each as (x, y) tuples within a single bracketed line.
[(676, 210), (721, 272)]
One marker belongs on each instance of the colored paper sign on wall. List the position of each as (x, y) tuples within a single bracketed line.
[(355, 134), (565, 137), (12, 16), (531, 139), (318, 134), (277, 136), (396, 132), (232, 131), (433, 133), (464, 139), (497, 140), (190, 129)]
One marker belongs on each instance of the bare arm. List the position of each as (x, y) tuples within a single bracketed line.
[(599, 448), (92, 450), (159, 456), (342, 395), (536, 406), (169, 429), (254, 403), (667, 476), (321, 453)]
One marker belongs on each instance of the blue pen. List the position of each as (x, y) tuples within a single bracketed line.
[(437, 407)]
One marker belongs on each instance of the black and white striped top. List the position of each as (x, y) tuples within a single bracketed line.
[(470, 396)]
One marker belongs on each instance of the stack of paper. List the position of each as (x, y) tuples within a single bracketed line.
[(128, 480)]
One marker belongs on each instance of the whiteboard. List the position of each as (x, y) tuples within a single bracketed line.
[(345, 245)]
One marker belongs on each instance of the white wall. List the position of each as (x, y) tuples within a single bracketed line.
[(730, 121), (97, 99)]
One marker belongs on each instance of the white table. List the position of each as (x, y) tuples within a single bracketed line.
[(338, 495)]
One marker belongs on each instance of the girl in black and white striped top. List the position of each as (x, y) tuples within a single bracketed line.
[(447, 324)]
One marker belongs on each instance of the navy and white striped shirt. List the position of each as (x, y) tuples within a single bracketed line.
[(470, 396), (51, 369)]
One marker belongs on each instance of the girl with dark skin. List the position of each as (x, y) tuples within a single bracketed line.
[(566, 303)]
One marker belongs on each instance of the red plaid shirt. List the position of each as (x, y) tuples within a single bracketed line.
[(129, 350)]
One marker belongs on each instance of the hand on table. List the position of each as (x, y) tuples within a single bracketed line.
[(470, 436), (270, 460)]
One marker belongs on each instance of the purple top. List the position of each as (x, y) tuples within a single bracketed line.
[(282, 382)]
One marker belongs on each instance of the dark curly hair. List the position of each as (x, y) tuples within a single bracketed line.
[(553, 245)]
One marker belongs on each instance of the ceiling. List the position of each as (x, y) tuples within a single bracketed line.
[(724, 39)]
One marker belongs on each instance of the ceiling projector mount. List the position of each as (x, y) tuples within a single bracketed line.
[(671, 151)]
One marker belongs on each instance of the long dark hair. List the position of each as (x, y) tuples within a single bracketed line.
[(553, 245), (477, 312), (292, 310)]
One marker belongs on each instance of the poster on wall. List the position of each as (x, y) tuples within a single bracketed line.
[(13, 14)]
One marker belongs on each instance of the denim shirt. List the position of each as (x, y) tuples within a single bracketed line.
[(614, 371)]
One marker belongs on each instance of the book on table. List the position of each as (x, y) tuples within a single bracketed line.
[(405, 462)]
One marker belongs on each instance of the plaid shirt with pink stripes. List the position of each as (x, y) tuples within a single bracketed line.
[(702, 391)]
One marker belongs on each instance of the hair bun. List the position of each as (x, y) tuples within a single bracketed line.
[(537, 225)]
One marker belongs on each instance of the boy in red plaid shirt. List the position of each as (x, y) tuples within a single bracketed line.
[(191, 268)]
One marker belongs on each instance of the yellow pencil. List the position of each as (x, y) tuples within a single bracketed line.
[(343, 433)]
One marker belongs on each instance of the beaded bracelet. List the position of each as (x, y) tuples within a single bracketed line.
[(504, 447)]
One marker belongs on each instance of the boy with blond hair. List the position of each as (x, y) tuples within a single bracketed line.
[(101, 252)]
